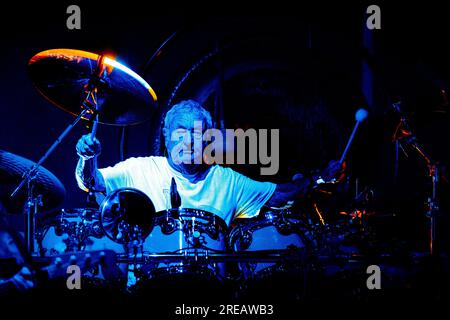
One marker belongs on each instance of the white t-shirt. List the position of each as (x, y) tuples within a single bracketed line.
[(223, 192)]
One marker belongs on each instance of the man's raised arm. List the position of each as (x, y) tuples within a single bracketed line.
[(87, 174)]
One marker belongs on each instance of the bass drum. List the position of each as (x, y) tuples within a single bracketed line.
[(74, 230)]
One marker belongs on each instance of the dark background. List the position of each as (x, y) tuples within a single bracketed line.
[(305, 73)]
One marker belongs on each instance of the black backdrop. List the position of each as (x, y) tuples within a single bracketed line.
[(300, 73)]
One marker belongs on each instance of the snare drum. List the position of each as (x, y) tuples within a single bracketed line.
[(192, 234), (274, 230), (74, 230)]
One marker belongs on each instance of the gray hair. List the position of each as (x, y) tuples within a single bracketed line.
[(188, 107)]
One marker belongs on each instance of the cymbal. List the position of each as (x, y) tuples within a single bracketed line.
[(62, 76), (12, 168)]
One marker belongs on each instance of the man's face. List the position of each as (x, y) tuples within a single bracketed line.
[(184, 141)]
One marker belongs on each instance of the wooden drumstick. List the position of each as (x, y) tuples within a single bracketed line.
[(97, 80), (360, 115), (94, 128)]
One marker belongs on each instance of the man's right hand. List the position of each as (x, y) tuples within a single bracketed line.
[(87, 148)]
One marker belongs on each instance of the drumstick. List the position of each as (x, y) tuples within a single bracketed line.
[(360, 115), (94, 128), (98, 76)]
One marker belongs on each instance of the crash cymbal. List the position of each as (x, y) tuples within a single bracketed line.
[(63, 76), (12, 168)]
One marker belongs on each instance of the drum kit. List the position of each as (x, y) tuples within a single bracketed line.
[(149, 245)]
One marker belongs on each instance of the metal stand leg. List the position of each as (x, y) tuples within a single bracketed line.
[(31, 207)]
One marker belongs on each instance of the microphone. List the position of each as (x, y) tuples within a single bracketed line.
[(175, 199)]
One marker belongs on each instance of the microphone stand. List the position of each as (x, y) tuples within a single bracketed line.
[(432, 203), (432, 212)]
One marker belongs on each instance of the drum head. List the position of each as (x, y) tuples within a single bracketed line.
[(127, 214)]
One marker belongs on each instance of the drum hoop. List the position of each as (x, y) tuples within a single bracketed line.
[(259, 223), (191, 212), (93, 214), (205, 270), (72, 213)]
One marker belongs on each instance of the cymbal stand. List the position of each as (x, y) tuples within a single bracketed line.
[(96, 82), (432, 203), (89, 106), (403, 132), (432, 211)]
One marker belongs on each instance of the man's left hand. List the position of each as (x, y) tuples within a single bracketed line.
[(331, 172)]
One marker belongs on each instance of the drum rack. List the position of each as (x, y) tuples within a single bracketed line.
[(205, 256)]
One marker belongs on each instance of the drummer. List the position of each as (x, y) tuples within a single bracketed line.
[(213, 188)]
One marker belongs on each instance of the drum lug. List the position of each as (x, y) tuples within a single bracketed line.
[(246, 240), (169, 226), (284, 227)]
